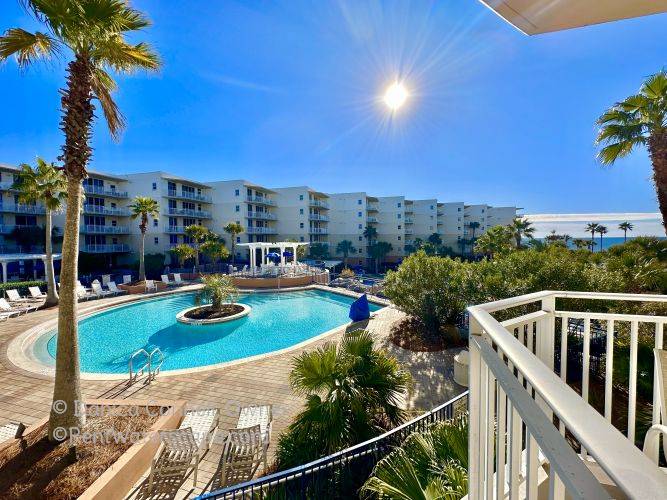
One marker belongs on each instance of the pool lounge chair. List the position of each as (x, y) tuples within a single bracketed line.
[(182, 449), (127, 278), (241, 456), (15, 310), (165, 280), (14, 297), (12, 430), (177, 279), (151, 286), (83, 294), (114, 288), (36, 293), (652, 439), (97, 290), (250, 416)]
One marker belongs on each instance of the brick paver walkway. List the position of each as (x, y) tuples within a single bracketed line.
[(25, 396)]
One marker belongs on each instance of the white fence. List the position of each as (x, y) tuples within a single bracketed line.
[(532, 435)]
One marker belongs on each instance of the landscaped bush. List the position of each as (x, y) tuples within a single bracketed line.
[(21, 286)]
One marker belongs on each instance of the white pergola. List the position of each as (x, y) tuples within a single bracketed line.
[(265, 247), (6, 258)]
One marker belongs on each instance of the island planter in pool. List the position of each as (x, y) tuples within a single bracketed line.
[(182, 317)]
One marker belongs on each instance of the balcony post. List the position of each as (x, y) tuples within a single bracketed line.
[(474, 401), (4, 272)]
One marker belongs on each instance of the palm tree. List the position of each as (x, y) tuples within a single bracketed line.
[(45, 184), (218, 289), (345, 247), (214, 249), (197, 235), (592, 228), (625, 227), (602, 230), (233, 229), (435, 240), (142, 208), (93, 35), (521, 228), (428, 465), (474, 226), (353, 392), (379, 251), (497, 240), (639, 120), (183, 252), (581, 243)]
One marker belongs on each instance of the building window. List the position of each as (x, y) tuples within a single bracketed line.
[(238, 208), (301, 225), (238, 239), (154, 186), (156, 240), (398, 216), (358, 202), (301, 211), (358, 214), (398, 204), (301, 238), (399, 228), (173, 239), (361, 238), (399, 238), (431, 207), (236, 192), (361, 226), (300, 197), (155, 222), (459, 209), (459, 228)]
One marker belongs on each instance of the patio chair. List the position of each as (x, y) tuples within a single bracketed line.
[(83, 294), (652, 439), (165, 280), (12, 430), (127, 278), (182, 449), (36, 293), (250, 416), (14, 297), (241, 456), (177, 279), (97, 290), (105, 279), (15, 310), (114, 288), (151, 286)]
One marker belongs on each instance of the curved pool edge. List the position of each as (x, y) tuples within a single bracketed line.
[(21, 354)]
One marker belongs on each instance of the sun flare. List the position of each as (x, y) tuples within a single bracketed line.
[(395, 96)]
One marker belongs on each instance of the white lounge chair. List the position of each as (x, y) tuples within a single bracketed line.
[(165, 280), (83, 294), (177, 279), (36, 293), (97, 290), (114, 288), (241, 456), (151, 286), (182, 449), (12, 430), (14, 310), (14, 297), (250, 416), (105, 279), (652, 439), (127, 278)]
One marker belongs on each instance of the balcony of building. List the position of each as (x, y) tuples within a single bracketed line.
[(6, 186), (10, 228), (97, 229), (261, 215), (261, 230), (319, 217), (187, 195), (409, 231), (102, 191), (174, 229), (372, 207), (372, 220), (260, 200), (409, 220), (317, 202), (104, 210), (318, 230), (186, 212), (21, 208), (547, 419), (118, 248)]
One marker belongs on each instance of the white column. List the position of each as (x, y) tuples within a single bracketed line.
[(295, 256), (282, 255), (4, 272), (34, 269)]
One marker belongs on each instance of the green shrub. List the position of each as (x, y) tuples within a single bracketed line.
[(21, 286)]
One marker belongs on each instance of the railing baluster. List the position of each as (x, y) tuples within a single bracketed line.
[(484, 413), (531, 466), (501, 435), (490, 425), (585, 368), (609, 370), (632, 389), (659, 339), (515, 453)]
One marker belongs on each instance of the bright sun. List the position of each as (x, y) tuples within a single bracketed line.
[(395, 96)]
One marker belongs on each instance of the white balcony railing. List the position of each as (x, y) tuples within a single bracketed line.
[(186, 195), (262, 200), (372, 220), (372, 207), (319, 230), (22, 209), (98, 190), (105, 248), (200, 214), (409, 231), (409, 220), (95, 229), (262, 215), (321, 217), (174, 229), (261, 230), (97, 209), (517, 388), (315, 202)]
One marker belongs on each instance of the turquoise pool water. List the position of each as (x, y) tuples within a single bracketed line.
[(277, 321)]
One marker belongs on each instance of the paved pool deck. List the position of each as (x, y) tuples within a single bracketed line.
[(26, 396)]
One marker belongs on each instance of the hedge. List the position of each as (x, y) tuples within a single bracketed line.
[(21, 286)]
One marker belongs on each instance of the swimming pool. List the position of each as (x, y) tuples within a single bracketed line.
[(277, 321)]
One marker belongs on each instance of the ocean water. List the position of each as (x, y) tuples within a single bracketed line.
[(607, 241), (277, 321)]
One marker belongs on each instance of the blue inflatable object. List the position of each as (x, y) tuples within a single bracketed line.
[(359, 309)]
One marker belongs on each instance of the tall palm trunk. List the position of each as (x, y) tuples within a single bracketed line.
[(625, 236), (78, 113), (592, 241), (657, 150), (601, 241), (51, 292), (233, 246), (142, 264)]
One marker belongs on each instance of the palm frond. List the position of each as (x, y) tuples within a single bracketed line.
[(27, 47), (124, 57), (113, 15), (610, 153), (655, 86), (103, 86)]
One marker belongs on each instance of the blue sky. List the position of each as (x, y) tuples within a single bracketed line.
[(287, 93)]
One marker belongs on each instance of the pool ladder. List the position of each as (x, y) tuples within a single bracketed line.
[(151, 367)]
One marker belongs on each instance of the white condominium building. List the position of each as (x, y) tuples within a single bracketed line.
[(183, 202), (479, 218), (451, 223), (251, 205), (350, 214), (303, 214), (391, 226)]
